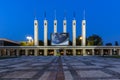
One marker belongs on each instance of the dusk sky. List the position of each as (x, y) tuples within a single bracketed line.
[(17, 17)]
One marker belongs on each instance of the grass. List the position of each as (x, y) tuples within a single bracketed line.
[(7, 57)]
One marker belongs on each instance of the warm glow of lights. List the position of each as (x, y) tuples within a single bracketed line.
[(81, 38), (30, 41), (29, 38)]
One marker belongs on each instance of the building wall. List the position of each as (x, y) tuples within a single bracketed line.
[(7, 43)]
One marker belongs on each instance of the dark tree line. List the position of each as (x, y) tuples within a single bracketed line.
[(110, 44), (94, 40)]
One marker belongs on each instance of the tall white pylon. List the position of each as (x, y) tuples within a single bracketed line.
[(84, 31), (65, 25), (45, 31), (36, 32), (74, 31), (55, 24)]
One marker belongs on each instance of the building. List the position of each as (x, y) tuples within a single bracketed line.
[(51, 51), (8, 47), (64, 31), (6, 42)]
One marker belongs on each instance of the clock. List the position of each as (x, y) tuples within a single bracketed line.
[(73, 23), (45, 23), (55, 23), (83, 23), (35, 23)]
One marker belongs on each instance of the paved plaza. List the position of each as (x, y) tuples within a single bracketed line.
[(60, 68)]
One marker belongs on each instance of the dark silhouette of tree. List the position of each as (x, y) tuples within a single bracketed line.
[(41, 43), (94, 40), (108, 44), (116, 43), (49, 42), (23, 43), (70, 43), (26, 43), (78, 41)]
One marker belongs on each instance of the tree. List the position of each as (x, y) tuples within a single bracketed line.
[(70, 43), (30, 43), (116, 43), (94, 40), (108, 44), (26, 43), (78, 41), (23, 43), (41, 43), (49, 42)]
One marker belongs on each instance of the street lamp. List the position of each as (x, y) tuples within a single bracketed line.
[(81, 39), (30, 40)]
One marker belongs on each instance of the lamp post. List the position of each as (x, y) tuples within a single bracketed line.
[(80, 38), (30, 40)]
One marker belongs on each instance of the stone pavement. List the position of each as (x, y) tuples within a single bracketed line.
[(60, 68)]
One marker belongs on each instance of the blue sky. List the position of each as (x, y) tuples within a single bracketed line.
[(17, 16)]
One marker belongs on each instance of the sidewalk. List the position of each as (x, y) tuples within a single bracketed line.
[(60, 68)]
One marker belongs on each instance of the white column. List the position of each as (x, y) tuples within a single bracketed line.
[(4, 53), (74, 52), (102, 52), (45, 32), (55, 52), (74, 32), (119, 52), (93, 52), (84, 52), (83, 32), (110, 52), (17, 52), (36, 33), (35, 52), (55, 26), (45, 52), (64, 26), (26, 52), (0, 52), (8, 52), (64, 52)]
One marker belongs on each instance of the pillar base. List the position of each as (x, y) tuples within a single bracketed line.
[(55, 52), (84, 52), (26, 52), (35, 52), (74, 52), (0, 53), (64, 52), (45, 52), (110, 52), (17, 52)]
